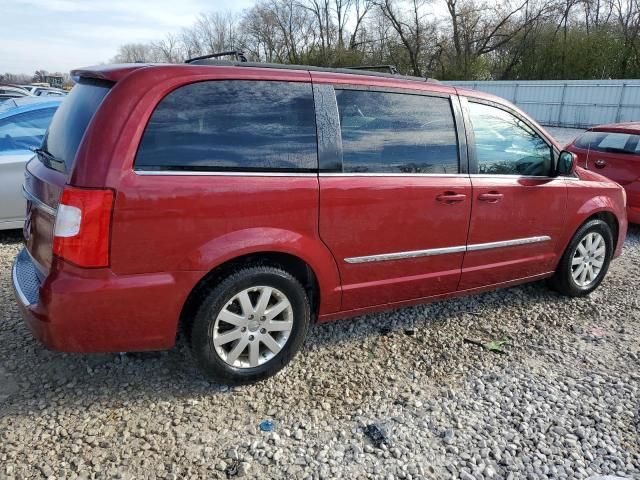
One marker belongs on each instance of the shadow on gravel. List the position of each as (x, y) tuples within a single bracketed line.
[(9, 237), (33, 379)]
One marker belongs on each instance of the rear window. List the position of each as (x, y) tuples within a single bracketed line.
[(232, 125), (612, 142), (70, 121)]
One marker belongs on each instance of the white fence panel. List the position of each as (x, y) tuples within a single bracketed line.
[(568, 103)]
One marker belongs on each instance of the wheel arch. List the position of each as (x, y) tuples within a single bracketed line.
[(293, 264), (610, 219), (604, 214)]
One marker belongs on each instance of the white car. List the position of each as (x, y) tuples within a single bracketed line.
[(23, 123)]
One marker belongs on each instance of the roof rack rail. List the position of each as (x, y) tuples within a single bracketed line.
[(391, 68), (280, 66), (238, 54)]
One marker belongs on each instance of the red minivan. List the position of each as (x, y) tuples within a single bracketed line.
[(613, 151), (241, 202)]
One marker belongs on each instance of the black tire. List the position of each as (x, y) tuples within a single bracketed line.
[(563, 280), (200, 333)]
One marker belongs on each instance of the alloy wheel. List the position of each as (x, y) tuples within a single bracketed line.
[(588, 259), (252, 327)]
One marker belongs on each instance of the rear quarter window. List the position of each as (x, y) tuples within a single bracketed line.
[(232, 125), (384, 132)]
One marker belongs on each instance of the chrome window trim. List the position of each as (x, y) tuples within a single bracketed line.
[(291, 174), (37, 202), (510, 175), (355, 174), (447, 250), (200, 173)]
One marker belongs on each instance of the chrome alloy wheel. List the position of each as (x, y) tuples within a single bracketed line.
[(252, 327), (588, 259)]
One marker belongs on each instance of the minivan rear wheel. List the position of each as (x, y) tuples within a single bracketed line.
[(250, 325), (585, 261)]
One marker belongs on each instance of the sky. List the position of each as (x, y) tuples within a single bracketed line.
[(60, 35)]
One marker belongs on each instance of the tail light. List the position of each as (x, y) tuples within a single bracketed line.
[(83, 223)]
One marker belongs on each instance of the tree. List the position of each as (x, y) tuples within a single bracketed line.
[(474, 39)]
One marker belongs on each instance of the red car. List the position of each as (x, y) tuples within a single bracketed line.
[(613, 151), (241, 202)]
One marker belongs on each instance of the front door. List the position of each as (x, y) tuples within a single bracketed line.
[(396, 216), (518, 207)]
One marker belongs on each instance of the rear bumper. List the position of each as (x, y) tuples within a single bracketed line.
[(80, 310)]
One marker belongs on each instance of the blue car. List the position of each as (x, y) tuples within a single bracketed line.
[(23, 123)]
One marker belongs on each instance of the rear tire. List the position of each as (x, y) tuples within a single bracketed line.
[(586, 260), (250, 325)]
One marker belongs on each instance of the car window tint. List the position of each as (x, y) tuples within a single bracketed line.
[(505, 145), (26, 130), (232, 125), (72, 118), (611, 142), (396, 133), (589, 140), (614, 141)]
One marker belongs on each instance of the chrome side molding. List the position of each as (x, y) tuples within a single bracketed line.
[(403, 255), (446, 250), (507, 243)]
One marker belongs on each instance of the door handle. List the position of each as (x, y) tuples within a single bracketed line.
[(490, 197), (600, 163), (450, 198)]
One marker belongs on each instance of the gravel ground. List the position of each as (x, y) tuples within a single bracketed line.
[(564, 135), (563, 403)]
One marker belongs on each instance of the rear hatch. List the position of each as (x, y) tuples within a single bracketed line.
[(48, 172)]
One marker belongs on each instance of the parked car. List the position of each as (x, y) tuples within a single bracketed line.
[(614, 151), (50, 92), (11, 91), (44, 91), (11, 103), (30, 88), (241, 202), (23, 122)]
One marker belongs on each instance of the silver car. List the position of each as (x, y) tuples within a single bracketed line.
[(23, 123)]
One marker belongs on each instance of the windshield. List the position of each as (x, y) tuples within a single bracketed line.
[(67, 128)]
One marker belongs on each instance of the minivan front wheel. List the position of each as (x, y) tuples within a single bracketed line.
[(250, 325), (586, 260)]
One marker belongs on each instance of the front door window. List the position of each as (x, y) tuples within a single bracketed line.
[(505, 145)]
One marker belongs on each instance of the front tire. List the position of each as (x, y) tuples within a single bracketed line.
[(586, 260), (250, 325)]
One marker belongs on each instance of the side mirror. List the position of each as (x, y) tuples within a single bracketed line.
[(567, 162)]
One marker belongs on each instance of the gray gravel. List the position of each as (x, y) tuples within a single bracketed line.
[(564, 135), (563, 403)]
